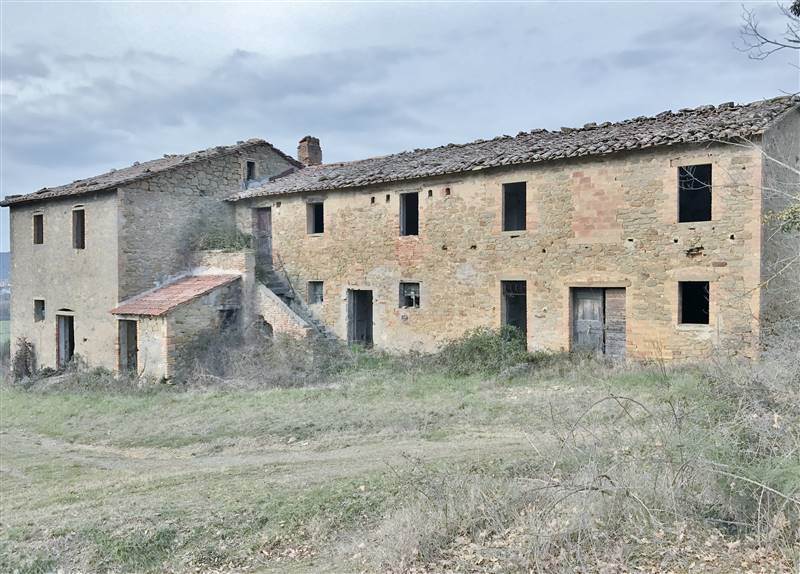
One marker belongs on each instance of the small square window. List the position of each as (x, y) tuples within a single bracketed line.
[(693, 302), (315, 292), (38, 228), (228, 319), (409, 295), (38, 310), (694, 193), (514, 206), (79, 229), (315, 221), (250, 174)]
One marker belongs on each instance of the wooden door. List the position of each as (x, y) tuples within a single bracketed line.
[(65, 339), (587, 320), (359, 317), (128, 346), (262, 235)]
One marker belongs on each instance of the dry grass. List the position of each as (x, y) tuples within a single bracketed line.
[(383, 464)]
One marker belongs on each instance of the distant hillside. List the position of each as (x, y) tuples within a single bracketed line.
[(5, 267)]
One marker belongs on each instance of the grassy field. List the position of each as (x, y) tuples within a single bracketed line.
[(557, 468)]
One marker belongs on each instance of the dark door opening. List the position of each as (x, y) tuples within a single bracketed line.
[(128, 346), (65, 339), (262, 235), (359, 317), (598, 321), (514, 305)]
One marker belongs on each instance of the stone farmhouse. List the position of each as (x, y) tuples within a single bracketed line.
[(642, 238)]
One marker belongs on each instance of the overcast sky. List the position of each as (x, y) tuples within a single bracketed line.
[(91, 86)]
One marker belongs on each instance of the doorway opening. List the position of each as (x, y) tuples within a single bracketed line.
[(128, 346), (262, 236), (65, 339), (514, 305), (598, 321), (359, 317)]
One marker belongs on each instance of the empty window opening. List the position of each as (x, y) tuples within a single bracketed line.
[(372, 199), (409, 295), (128, 345), (315, 292), (316, 218), (388, 198), (228, 319), (694, 302), (38, 310), (694, 193), (514, 206), (79, 229), (430, 193), (250, 173), (447, 191), (514, 304), (38, 228), (409, 214)]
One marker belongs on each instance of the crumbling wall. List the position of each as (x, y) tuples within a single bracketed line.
[(186, 322), (279, 317), (602, 221)]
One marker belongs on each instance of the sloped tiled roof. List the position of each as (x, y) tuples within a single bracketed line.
[(726, 122), (138, 171), (164, 299)]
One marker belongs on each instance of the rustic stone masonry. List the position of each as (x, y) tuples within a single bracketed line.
[(592, 237), (137, 222), (599, 222)]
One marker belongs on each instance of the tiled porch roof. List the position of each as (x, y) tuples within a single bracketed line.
[(164, 299)]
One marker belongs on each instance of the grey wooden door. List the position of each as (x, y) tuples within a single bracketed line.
[(65, 338), (262, 235), (587, 320), (359, 316), (128, 345)]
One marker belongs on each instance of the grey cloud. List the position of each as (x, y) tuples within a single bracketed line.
[(22, 64)]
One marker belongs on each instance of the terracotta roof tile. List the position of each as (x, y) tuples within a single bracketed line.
[(138, 171), (163, 299), (726, 122)]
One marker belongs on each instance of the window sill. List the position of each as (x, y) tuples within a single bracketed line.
[(514, 233), (315, 234), (694, 327)]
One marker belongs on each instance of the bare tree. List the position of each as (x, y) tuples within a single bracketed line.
[(758, 44)]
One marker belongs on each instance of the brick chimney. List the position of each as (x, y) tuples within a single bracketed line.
[(309, 152)]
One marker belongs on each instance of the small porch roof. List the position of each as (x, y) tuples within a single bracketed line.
[(164, 299)]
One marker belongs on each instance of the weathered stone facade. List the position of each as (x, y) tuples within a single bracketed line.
[(135, 239), (591, 222), (601, 229), (74, 282)]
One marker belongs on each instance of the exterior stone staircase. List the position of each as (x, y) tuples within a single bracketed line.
[(277, 282)]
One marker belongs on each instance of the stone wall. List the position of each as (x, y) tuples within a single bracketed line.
[(603, 222), (278, 315), (202, 315), (158, 215), (84, 281), (152, 341), (781, 250)]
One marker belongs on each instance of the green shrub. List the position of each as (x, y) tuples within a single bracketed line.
[(485, 350)]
